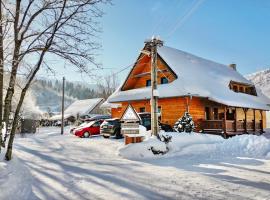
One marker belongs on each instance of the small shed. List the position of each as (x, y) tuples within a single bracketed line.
[(29, 125)]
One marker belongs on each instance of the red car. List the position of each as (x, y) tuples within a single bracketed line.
[(89, 129)]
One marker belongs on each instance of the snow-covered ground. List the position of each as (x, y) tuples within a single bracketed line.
[(48, 165)]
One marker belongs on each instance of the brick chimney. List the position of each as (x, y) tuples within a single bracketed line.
[(233, 66)]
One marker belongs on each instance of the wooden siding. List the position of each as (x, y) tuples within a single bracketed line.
[(171, 108), (141, 73)]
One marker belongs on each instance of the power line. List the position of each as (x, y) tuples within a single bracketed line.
[(183, 18)]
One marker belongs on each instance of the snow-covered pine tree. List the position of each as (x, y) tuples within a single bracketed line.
[(184, 124)]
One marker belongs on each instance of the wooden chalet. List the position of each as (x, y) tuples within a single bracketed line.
[(219, 99)]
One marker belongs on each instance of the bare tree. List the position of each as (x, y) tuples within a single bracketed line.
[(43, 30), (107, 85), (1, 75)]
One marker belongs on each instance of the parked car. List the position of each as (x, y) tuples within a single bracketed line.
[(89, 129), (76, 127), (97, 117), (111, 127), (146, 122)]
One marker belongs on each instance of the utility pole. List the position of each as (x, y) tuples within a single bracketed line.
[(153, 44), (63, 102)]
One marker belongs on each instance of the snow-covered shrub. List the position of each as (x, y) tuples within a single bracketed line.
[(184, 124), (163, 138)]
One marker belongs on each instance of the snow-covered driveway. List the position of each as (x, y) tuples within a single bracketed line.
[(67, 167)]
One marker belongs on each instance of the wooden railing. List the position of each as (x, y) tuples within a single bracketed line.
[(212, 124), (219, 125), (230, 125)]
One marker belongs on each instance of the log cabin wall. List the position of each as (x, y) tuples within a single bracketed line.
[(171, 108)]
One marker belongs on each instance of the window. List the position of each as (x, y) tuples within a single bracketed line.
[(235, 88), (148, 83), (159, 113), (215, 113), (164, 80), (207, 113), (142, 109), (241, 89)]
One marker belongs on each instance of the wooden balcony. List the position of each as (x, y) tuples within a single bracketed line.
[(228, 127)]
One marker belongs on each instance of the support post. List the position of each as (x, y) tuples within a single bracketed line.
[(235, 120), (225, 119), (261, 121), (63, 107), (245, 122), (254, 118), (153, 44)]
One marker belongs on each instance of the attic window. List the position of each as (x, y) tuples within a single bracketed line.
[(148, 83), (243, 88), (164, 80)]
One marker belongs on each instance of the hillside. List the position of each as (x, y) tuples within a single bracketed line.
[(48, 93), (261, 80)]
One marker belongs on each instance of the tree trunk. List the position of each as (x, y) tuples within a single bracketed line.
[(15, 64), (8, 155), (1, 75)]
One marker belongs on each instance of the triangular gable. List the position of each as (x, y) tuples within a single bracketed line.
[(130, 114), (142, 68)]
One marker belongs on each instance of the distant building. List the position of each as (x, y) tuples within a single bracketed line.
[(80, 109), (218, 97)]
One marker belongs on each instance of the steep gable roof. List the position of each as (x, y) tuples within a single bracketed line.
[(199, 77)]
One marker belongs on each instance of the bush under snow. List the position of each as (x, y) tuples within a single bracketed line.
[(202, 145)]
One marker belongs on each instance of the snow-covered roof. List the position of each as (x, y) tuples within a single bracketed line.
[(199, 77), (83, 107), (106, 104)]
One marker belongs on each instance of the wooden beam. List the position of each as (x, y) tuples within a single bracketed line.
[(225, 118), (254, 118), (261, 124), (245, 122), (235, 120)]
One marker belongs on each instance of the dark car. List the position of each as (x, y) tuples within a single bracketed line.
[(111, 127), (146, 122)]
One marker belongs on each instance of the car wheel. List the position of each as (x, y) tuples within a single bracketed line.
[(118, 135), (86, 134), (106, 136)]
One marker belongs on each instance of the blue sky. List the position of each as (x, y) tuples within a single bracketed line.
[(224, 31)]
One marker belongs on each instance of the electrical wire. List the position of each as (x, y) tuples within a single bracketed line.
[(181, 20)]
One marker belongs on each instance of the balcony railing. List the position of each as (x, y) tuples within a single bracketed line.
[(219, 126)]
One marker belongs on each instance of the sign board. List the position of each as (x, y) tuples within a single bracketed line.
[(130, 115), (130, 121)]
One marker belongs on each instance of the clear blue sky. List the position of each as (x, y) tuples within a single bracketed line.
[(225, 31)]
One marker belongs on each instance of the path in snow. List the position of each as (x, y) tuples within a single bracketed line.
[(67, 167)]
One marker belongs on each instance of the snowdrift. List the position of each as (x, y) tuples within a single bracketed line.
[(15, 180), (185, 144)]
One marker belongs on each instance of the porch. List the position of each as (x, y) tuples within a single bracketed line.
[(232, 121)]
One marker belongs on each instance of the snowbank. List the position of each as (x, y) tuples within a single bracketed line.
[(185, 144), (15, 180)]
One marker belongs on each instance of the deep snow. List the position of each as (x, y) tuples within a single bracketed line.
[(52, 166)]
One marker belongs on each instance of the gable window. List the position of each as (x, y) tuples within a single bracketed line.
[(243, 88), (235, 88), (148, 83), (142, 109), (164, 80)]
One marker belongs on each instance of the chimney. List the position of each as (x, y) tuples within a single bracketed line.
[(233, 66)]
